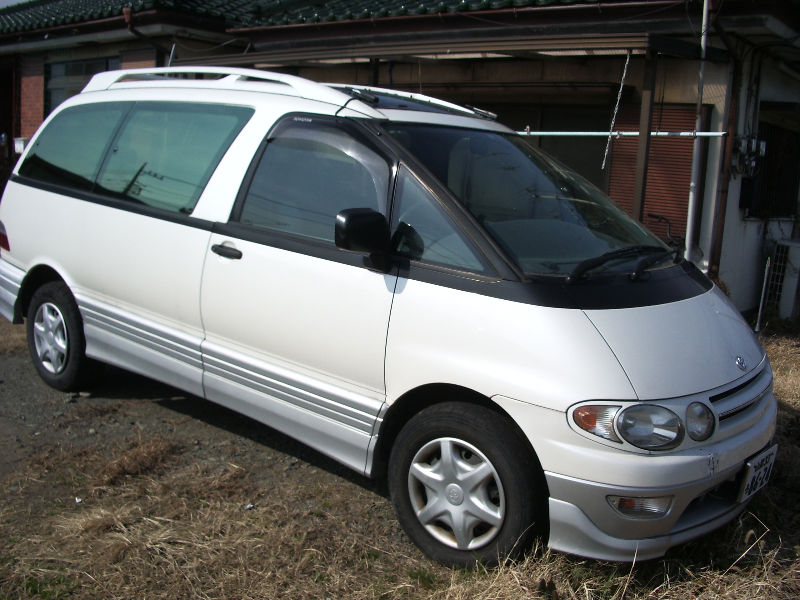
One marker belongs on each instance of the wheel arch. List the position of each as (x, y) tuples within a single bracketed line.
[(413, 401), (36, 277)]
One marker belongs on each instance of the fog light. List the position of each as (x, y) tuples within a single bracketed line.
[(641, 508)]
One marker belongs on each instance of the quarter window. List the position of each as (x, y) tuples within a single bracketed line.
[(70, 150), (308, 173), (422, 230)]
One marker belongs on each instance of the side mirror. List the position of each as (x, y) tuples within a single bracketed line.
[(362, 230), (367, 231)]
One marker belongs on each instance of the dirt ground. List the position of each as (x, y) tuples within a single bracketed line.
[(136, 490), (137, 457)]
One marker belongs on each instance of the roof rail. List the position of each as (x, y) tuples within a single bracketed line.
[(466, 110), (230, 78)]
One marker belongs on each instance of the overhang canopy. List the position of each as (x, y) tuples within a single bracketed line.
[(466, 45)]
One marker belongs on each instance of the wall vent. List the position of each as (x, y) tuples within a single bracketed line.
[(784, 279)]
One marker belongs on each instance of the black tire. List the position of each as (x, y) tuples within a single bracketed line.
[(495, 490), (55, 337)]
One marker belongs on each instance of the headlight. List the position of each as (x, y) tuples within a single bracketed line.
[(699, 421), (650, 427)]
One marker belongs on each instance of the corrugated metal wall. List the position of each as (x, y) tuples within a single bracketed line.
[(669, 172)]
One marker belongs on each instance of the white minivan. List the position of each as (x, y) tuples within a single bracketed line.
[(406, 286)]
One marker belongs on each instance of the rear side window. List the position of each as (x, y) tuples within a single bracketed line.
[(159, 154), (70, 150), (166, 152)]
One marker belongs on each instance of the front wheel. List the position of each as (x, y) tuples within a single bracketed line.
[(466, 485), (55, 337)]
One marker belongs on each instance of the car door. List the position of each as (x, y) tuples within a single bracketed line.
[(295, 329)]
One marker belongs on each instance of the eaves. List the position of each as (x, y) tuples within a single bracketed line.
[(50, 41)]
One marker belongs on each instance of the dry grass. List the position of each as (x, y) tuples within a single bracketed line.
[(154, 521), (141, 457)]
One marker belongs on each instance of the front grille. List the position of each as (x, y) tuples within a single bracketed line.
[(743, 397)]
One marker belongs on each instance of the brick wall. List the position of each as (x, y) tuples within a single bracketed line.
[(138, 59), (31, 93)]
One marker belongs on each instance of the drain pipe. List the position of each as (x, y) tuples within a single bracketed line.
[(127, 15), (696, 151)]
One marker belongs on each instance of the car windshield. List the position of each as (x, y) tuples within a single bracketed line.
[(547, 218)]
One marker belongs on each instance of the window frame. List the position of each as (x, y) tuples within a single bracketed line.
[(288, 121), (397, 158)]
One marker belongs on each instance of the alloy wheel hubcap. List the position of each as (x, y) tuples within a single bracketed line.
[(456, 493), (50, 338)]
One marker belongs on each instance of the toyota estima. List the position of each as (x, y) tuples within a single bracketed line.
[(404, 285)]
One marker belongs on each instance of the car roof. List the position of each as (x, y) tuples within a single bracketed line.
[(367, 101)]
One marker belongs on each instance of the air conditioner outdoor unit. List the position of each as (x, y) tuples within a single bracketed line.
[(786, 278)]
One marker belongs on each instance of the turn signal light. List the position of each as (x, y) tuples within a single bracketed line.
[(597, 419), (641, 508)]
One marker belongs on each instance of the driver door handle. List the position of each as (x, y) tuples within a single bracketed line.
[(226, 251)]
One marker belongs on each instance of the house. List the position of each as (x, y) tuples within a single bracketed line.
[(569, 71)]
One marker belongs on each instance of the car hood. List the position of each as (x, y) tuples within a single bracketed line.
[(680, 348)]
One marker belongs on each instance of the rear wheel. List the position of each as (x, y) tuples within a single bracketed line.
[(466, 486), (55, 337)]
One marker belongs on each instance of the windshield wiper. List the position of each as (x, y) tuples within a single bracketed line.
[(649, 261), (587, 265)]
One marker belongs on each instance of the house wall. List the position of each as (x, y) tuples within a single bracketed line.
[(678, 83), (33, 81), (748, 241), (31, 93), (138, 58)]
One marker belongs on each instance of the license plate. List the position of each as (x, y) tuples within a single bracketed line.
[(757, 472)]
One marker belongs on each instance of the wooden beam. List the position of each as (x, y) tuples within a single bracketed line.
[(645, 127)]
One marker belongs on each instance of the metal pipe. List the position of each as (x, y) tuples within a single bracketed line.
[(763, 296), (691, 212)]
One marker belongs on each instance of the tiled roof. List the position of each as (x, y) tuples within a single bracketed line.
[(44, 14), (284, 12)]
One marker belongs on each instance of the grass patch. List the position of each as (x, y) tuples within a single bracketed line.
[(140, 457), (162, 518), (49, 585)]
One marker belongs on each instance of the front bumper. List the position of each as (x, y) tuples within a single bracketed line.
[(583, 522), (573, 532)]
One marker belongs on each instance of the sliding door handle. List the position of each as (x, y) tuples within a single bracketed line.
[(226, 251)]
